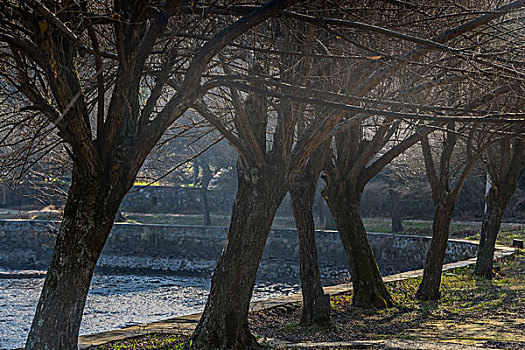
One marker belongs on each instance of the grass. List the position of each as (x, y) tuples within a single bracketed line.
[(30, 214), (188, 219), (175, 219), (471, 311), (463, 230), (147, 342), (458, 229)]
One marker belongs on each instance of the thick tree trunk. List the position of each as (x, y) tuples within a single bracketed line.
[(88, 217), (369, 289), (505, 167), (429, 286), (497, 200), (316, 305), (224, 322), (397, 224)]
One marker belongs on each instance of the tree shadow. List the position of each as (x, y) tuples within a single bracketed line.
[(484, 283)]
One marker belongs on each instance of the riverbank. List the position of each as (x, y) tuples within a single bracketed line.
[(472, 313)]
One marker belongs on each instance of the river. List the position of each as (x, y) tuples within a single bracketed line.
[(114, 301)]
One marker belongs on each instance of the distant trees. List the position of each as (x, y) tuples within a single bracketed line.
[(196, 157)]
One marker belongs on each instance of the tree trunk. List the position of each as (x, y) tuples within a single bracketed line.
[(206, 178), (429, 286), (397, 224), (316, 305), (368, 286), (325, 220), (206, 219), (505, 176), (88, 217), (224, 322), (497, 200)]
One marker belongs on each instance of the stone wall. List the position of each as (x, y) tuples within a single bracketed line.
[(195, 250), (181, 200)]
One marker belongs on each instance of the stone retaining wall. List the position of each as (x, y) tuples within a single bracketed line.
[(27, 244)]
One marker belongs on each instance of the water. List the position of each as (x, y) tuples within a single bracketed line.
[(114, 301)]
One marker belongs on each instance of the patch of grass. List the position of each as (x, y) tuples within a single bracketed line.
[(340, 302), (147, 342), (291, 327), (471, 311), (467, 299), (508, 232), (190, 219), (31, 215), (462, 230), (175, 219)]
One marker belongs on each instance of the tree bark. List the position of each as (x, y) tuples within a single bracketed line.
[(368, 286), (88, 217), (429, 286), (316, 305), (397, 224), (496, 204), (224, 322), (206, 219), (206, 178), (511, 162), (325, 220)]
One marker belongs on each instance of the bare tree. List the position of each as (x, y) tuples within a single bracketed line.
[(446, 186), (111, 78), (505, 162), (270, 154), (316, 305), (68, 59)]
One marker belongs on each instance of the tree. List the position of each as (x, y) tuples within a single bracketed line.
[(446, 184), (316, 305), (373, 74), (447, 169), (505, 161), (270, 154), (68, 58), (353, 163)]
